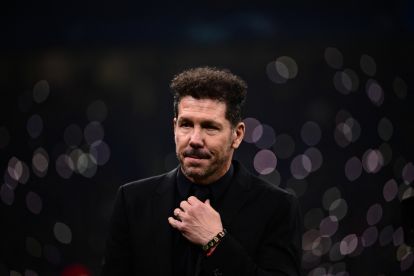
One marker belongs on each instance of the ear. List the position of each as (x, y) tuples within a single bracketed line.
[(238, 134), (174, 124)]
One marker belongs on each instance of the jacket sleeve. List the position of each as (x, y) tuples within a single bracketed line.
[(118, 246), (279, 252)]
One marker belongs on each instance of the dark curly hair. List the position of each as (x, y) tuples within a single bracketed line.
[(211, 83)]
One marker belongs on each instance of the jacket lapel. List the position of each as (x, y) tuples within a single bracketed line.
[(236, 195), (163, 206)]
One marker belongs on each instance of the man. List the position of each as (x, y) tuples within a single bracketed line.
[(209, 216)]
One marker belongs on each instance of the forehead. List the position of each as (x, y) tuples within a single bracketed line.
[(213, 109)]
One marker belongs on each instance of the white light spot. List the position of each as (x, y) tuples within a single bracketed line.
[(348, 244), (300, 166), (251, 125), (265, 161), (62, 233), (40, 162)]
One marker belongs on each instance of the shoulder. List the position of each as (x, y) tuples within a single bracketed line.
[(149, 184), (263, 189)]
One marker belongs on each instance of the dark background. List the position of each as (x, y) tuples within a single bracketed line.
[(67, 64)]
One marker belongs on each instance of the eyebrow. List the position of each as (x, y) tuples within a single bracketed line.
[(203, 123)]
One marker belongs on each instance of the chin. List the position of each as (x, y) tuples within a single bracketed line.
[(194, 172)]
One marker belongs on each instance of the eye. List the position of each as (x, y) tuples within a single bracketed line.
[(185, 124)]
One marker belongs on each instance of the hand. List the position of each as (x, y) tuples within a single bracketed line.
[(198, 221)]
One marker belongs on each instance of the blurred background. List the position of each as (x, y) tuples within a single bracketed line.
[(85, 107)]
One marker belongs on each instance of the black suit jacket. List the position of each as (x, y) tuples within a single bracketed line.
[(263, 224)]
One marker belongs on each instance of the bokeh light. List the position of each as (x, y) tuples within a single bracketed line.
[(62, 233), (386, 152), (375, 92), (33, 247), (93, 132), (311, 133), (40, 162), (398, 236), (335, 252), (76, 270), (372, 161), (385, 129), (273, 177), (41, 91), (34, 126), (34, 203), (346, 81), (64, 166), (286, 67), (100, 152), (400, 88), (301, 166), (321, 245), (348, 244), (281, 70), (6, 194), (328, 226), (338, 208), (347, 129), (368, 65), (309, 238), (408, 173), (315, 156), (353, 168), (374, 214), (329, 196), (386, 235), (265, 161), (369, 236), (15, 169), (390, 190), (251, 126), (333, 57), (264, 135)]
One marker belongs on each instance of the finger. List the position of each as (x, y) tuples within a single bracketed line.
[(193, 200), (184, 205), (174, 223), (208, 202), (177, 212)]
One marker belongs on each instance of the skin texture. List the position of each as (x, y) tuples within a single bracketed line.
[(205, 142)]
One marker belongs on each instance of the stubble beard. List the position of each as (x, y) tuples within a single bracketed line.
[(200, 174)]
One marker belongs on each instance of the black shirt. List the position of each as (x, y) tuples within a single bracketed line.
[(185, 254)]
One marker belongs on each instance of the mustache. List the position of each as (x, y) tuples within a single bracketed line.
[(202, 154)]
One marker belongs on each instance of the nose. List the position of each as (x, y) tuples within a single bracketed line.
[(196, 138)]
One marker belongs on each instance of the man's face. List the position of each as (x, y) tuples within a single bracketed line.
[(204, 139)]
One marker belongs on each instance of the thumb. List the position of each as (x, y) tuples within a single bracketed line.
[(207, 202)]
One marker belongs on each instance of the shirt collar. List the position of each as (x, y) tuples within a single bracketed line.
[(217, 188)]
